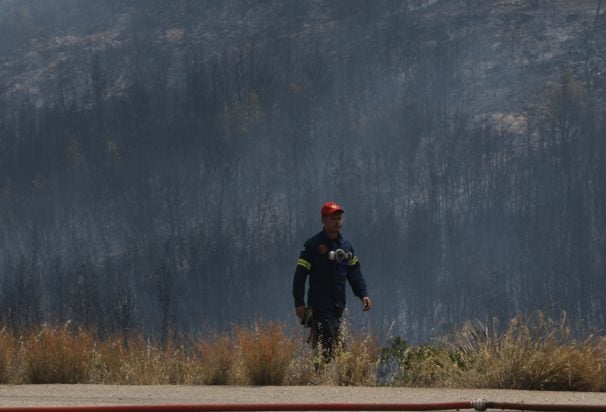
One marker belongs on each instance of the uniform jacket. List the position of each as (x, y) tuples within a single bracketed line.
[(327, 278)]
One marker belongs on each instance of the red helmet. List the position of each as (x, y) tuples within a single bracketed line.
[(330, 208)]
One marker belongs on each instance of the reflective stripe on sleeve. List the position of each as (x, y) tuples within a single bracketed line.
[(353, 261), (304, 263)]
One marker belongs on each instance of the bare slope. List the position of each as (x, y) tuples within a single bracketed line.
[(509, 50)]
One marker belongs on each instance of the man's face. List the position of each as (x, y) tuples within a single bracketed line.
[(333, 223)]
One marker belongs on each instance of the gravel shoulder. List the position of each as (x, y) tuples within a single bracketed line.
[(72, 395)]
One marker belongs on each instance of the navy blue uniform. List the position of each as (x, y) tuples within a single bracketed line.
[(327, 282)]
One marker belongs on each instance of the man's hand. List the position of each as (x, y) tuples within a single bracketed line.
[(367, 304), (300, 310)]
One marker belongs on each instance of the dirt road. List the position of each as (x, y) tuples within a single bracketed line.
[(65, 395)]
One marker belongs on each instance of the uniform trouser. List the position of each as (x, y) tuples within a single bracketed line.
[(327, 324)]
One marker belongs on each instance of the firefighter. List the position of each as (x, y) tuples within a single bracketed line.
[(329, 260)]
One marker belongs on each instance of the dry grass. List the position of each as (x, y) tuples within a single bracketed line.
[(529, 353), (302, 369), (266, 352), (56, 356), (143, 362), (8, 345), (139, 363), (357, 360), (218, 358), (419, 366), (535, 353)]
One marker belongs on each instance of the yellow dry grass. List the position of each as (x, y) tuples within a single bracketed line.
[(266, 352), (56, 355), (535, 353), (529, 353), (8, 345), (218, 358)]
